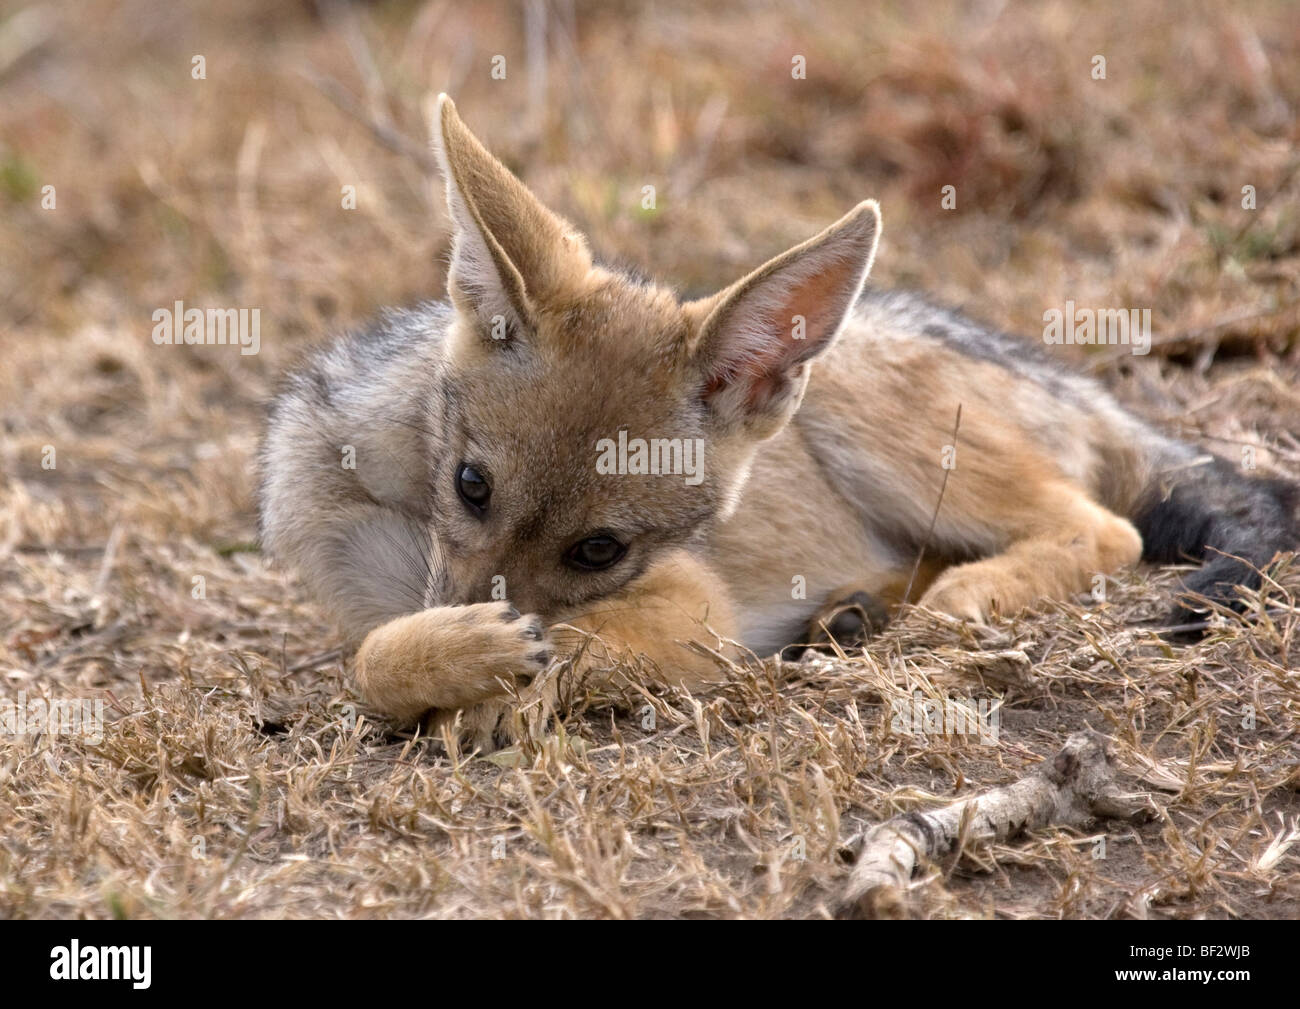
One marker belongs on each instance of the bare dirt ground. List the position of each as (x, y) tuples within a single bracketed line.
[(239, 776)]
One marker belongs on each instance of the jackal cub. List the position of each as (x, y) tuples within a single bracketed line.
[(563, 457)]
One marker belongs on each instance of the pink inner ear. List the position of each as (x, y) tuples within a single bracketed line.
[(820, 300), (762, 347)]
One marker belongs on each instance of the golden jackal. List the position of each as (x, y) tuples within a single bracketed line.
[(473, 487)]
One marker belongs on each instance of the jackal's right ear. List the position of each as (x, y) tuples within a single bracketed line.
[(510, 255), (758, 336)]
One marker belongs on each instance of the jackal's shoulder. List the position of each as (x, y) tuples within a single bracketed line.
[(394, 353), (349, 420)]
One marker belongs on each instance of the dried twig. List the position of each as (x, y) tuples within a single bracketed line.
[(1073, 789)]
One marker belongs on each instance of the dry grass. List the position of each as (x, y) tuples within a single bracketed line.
[(231, 779)]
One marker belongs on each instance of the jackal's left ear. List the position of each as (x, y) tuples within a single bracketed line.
[(510, 254), (759, 335)]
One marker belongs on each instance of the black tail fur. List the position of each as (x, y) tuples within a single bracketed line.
[(1216, 514)]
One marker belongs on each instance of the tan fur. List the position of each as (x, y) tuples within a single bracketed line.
[(1046, 558), (480, 651), (825, 444), (677, 601)]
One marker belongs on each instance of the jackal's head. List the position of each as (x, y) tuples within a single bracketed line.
[(588, 421)]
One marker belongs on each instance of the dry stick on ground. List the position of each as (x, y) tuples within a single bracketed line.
[(1072, 789)]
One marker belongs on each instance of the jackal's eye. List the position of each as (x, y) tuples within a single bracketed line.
[(594, 553), (473, 489)]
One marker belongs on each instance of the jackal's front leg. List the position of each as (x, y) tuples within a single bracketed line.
[(678, 600), (460, 664)]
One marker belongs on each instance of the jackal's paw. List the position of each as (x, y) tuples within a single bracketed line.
[(450, 657), (967, 595), (494, 641)]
